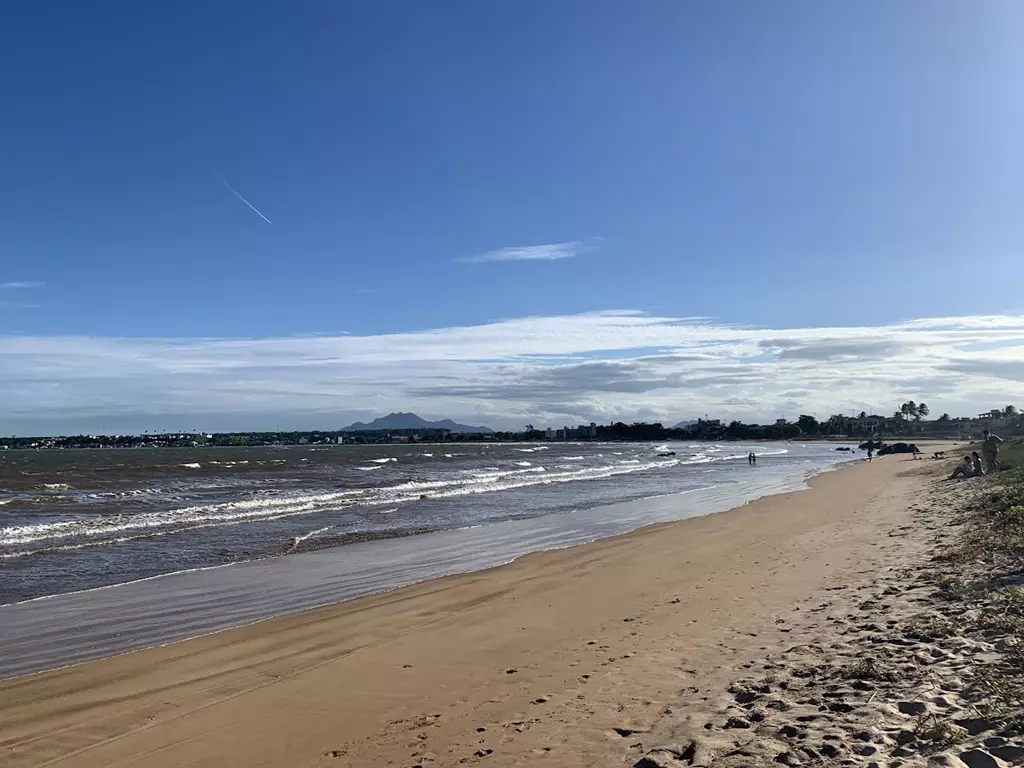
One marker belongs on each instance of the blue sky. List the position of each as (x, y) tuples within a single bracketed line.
[(795, 166)]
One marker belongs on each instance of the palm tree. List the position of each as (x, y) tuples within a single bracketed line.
[(944, 417), (837, 423), (1010, 411), (920, 412), (899, 417), (908, 410), (862, 415)]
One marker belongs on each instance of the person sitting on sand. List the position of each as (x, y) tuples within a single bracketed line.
[(964, 469), (977, 470)]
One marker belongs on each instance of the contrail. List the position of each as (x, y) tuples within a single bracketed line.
[(235, 193)]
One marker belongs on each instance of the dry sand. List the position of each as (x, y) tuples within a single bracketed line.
[(594, 655)]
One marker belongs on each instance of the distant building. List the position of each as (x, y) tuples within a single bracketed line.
[(549, 434), (869, 425), (961, 428), (781, 422), (993, 419)]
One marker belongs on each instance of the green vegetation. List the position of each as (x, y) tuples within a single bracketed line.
[(911, 411), (1011, 454), (994, 531), (988, 555), (904, 422)]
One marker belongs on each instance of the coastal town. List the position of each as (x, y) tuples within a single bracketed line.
[(907, 421)]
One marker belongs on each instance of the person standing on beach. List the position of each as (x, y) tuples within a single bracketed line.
[(990, 450), (871, 452)]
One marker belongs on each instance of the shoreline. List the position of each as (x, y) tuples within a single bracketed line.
[(301, 581), (50, 549), (487, 645)]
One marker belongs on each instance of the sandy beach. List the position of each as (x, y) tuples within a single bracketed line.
[(581, 656)]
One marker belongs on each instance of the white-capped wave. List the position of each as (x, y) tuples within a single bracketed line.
[(522, 463), (57, 486), (383, 461), (123, 494), (296, 540), (121, 527), (193, 465), (183, 517)]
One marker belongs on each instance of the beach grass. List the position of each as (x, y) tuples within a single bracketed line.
[(988, 562), (1011, 454)]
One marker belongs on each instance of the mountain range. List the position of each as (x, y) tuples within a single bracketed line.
[(412, 421)]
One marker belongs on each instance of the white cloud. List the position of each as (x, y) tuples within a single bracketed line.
[(22, 284), (545, 370), (549, 252)]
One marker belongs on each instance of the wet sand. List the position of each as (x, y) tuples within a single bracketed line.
[(562, 657)]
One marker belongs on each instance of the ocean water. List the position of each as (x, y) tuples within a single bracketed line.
[(108, 536)]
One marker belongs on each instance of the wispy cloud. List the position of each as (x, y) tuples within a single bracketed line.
[(549, 252), (22, 284), (545, 370)]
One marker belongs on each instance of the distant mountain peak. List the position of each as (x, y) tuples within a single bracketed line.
[(402, 420)]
